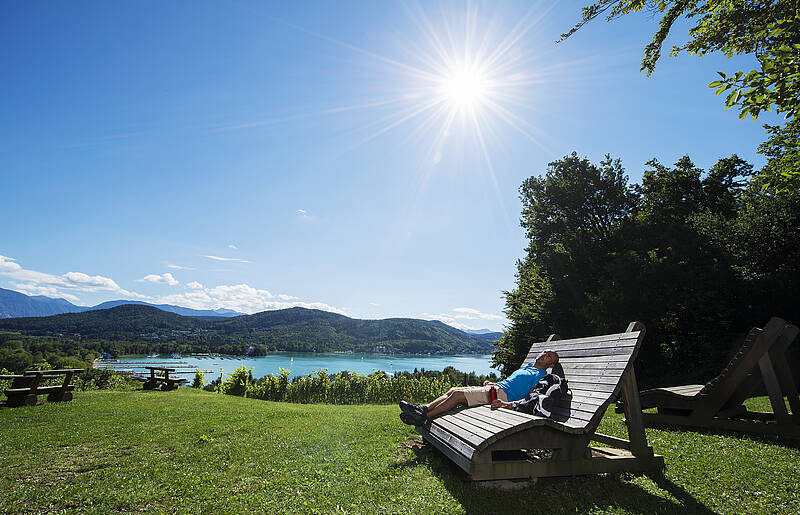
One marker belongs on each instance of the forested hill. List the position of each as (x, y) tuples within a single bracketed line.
[(296, 329)]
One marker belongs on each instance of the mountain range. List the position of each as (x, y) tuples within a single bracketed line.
[(14, 304), (139, 326)]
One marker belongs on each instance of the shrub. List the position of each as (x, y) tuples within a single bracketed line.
[(198, 379), (237, 383)]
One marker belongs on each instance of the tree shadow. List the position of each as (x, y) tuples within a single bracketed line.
[(783, 441), (576, 494)]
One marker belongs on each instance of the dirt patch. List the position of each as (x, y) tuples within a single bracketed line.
[(415, 445)]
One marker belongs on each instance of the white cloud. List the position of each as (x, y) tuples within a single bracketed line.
[(302, 212), (179, 267), (240, 297), (466, 310), (38, 282), (232, 246), (47, 291), (217, 258), (373, 304), (7, 264), (194, 285), (464, 318), (165, 278)]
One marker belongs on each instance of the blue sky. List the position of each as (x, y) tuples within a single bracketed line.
[(253, 155)]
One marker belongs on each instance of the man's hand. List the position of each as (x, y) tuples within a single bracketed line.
[(488, 383), (497, 403)]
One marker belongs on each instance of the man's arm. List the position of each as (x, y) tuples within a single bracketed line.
[(497, 403)]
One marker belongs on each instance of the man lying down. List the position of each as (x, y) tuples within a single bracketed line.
[(508, 393)]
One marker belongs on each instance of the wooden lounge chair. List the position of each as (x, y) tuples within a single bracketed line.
[(497, 444), (719, 404)]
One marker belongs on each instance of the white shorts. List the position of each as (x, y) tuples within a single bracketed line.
[(479, 395)]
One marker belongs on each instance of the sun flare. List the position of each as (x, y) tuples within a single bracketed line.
[(465, 88)]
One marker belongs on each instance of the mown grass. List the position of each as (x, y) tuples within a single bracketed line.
[(194, 451)]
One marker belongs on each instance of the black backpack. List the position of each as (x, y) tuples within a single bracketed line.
[(548, 392)]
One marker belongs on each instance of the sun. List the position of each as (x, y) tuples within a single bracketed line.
[(465, 88)]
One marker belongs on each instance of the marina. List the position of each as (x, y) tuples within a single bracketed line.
[(301, 363)]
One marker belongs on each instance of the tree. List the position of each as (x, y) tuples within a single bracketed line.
[(570, 216), (688, 253), (782, 171), (767, 29)]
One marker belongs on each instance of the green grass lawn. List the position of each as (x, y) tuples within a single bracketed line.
[(193, 451)]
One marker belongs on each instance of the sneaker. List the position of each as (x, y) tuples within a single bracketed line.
[(411, 420), (414, 409)]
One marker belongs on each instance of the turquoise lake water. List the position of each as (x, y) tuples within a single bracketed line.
[(302, 363)]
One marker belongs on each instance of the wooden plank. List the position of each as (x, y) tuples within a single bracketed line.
[(591, 349), (599, 381), (513, 418), (589, 374), (602, 462), (457, 457), (581, 393), (464, 430), (542, 346), (773, 389), (608, 358), (582, 353), (460, 445), (612, 440), (478, 425), (633, 416), (495, 422), (592, 365), (51, 389)]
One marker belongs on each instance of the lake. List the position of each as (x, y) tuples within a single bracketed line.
[(303, 363)]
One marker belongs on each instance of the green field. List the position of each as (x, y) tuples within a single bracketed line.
[(194, 451)]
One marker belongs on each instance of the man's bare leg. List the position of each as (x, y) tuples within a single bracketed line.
[(446, 402), (437, 401)]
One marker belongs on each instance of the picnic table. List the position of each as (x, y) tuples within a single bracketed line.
[(167, 382), (26, 387)]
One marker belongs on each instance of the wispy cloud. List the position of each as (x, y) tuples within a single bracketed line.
[(232, 246), (240, 297), (218, 258), (40, 283), (165, 278), (179, 267), (464, 318), (305, 214)]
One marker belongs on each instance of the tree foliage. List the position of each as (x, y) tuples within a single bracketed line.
[(699, 257), (769, 30)]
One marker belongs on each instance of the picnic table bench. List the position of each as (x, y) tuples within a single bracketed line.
[(167, 382), (505, 444), (26, 388)]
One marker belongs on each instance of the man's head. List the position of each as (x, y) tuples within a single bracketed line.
[(546, 359)]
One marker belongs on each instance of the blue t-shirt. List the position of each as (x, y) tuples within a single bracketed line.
[(518, 385)]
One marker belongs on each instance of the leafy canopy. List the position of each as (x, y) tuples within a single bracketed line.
[(769, 30)]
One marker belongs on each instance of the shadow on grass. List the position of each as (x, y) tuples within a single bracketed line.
[(578, 494), (783, 441)]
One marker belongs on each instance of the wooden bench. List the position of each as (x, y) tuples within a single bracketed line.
[(26, 388), (167, 383), (719, 404), (499, 444)]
